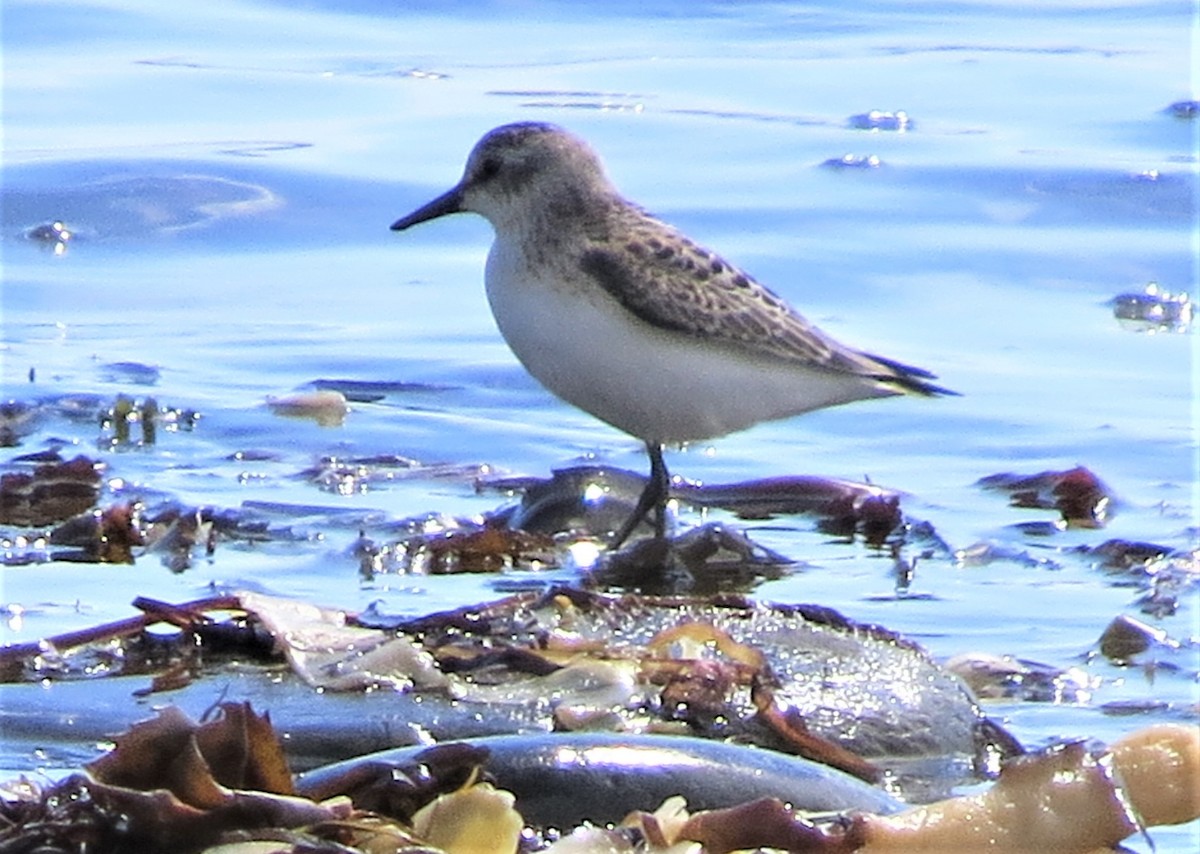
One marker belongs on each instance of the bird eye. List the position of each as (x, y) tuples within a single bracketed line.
[(488, 168)]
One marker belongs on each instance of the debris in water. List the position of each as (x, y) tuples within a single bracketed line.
[(1081, 497), (1154, 310), (54, 236), (327, 408), (880, 120)]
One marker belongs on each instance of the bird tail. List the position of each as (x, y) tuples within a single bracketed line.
[(908, 378)]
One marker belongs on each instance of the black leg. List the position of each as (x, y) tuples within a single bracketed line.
[(654, 497), (662, 490)]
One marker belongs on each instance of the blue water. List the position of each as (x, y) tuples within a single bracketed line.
[(229, 171)]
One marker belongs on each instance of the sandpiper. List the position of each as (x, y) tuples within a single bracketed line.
[(622, 315)]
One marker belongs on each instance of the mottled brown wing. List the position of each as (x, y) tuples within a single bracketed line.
[(670, 282)]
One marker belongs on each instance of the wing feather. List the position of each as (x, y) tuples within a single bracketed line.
[(672, 283)]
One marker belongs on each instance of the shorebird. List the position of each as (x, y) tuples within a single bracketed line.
[(623, 316)]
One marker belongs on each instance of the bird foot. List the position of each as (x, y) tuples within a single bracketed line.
[(648, 565)]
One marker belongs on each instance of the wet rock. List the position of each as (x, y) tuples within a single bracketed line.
[(1125, 638), (705, 560), (564, 779), (581, 500), (803, 647)]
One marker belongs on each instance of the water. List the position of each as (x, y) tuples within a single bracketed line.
[(230, 172)]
